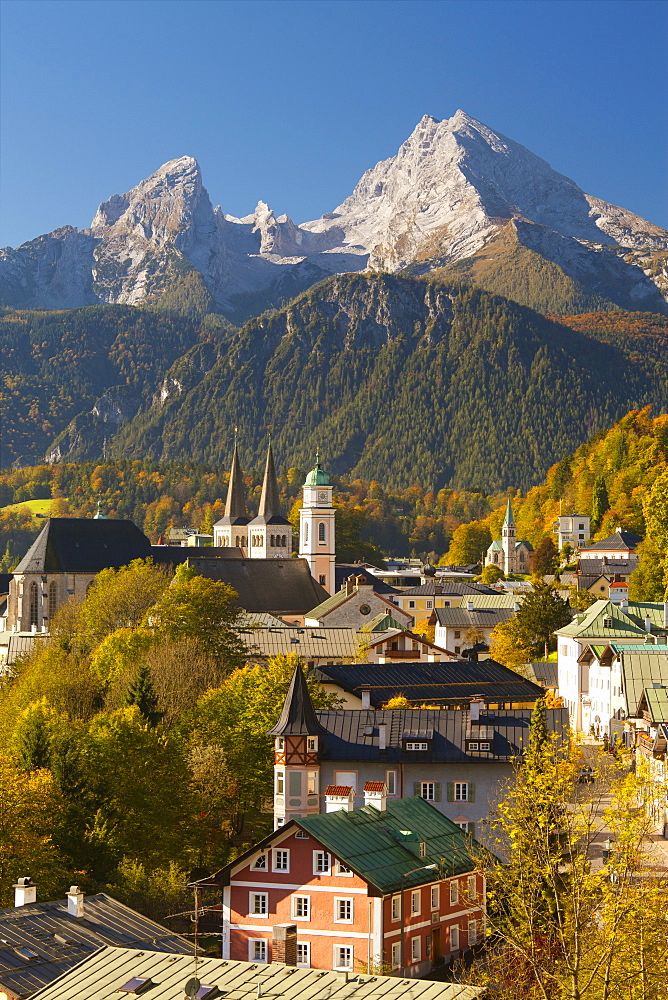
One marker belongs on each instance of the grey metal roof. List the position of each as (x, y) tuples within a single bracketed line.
[(547, 674), (311, 642), (100, 976), (607, 567), (105, 922), (353, 735), (432, 682), (445, 588), (84, 545), (613, 543), (281, 586), (480, 617), (20, 644)]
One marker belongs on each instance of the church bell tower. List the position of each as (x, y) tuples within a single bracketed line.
[(317, 540)]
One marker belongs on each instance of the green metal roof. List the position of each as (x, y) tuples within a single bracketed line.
[(382, 846), (496, 546), (317, 476), (381, 623), (657, 703), (509, 520), (590, 625), (101, 976), (640, 671)]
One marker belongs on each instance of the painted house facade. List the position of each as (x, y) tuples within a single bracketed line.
[(388, 884)]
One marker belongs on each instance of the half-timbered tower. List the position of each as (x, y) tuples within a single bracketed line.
[(296, 755)]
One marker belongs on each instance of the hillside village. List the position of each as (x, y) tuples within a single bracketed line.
[(387, 765)]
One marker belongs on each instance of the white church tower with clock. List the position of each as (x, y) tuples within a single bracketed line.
[(316, 527)]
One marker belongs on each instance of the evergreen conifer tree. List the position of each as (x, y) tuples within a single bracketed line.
[(34, 741), (142, 694), (600, 502)]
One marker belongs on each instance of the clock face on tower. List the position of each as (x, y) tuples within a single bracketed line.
[(322, 495)]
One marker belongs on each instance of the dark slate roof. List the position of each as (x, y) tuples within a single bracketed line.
[(447, 588), (432, 682), (281, 586), (298, 716), (606, 567), (235, 508), (5, 580), (84, 545), (174, 555), (481, 617), (547, 674), (353, 735), (620, 540), (342, 571), (105, 922)]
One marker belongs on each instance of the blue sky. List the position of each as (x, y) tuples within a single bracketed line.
[(289, 102)]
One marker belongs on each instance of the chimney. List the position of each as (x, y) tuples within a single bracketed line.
[(375, 794), (284, 944), (350, 584), (382, 737), (516, 606), (477, 704), (647, 625), (366, 698), (469, 605), (624, 605), (75, 901), (339, 797), (438, 589), (25, 891)]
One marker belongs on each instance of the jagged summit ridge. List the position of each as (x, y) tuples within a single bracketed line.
[(447, 194)]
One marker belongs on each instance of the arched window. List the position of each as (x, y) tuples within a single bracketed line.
[(306, 531), (53, 600), (284, 540), (322, 528), (34, 604)]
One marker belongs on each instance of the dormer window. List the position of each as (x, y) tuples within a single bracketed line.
[(312, 744), (417, 745)]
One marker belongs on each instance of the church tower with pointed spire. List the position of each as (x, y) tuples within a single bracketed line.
[(270, 533), (297, 736), (317, 527), (508, 533), (231, 530)]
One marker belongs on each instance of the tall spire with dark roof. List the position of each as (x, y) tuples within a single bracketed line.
[(236, 493), (298, 716), (269, 500)]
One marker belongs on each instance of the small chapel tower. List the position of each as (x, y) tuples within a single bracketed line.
[(270, 534), (232, 530), (297, 735), (508, 540), (316, 527)]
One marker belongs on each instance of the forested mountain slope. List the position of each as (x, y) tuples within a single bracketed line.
[(396, 379)]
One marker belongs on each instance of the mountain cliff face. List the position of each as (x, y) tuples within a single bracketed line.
[(452, 190), (398, 379)]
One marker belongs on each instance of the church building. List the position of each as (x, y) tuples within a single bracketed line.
[(509, 554)]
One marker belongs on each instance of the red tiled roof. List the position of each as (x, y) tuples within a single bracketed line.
[(338, 789), (375, 786)]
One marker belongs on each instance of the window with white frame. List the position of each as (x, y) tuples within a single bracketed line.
[(302, 835), (341, 869), (312, 783), (280, 820), (280, 782), (321, 864), (301, 908), (281, 860), (461, 791), (454, 938), (454, 892), (471, 888), (429, 605), (396, 907), (416, 949), (415, 901), (260, 863), (428, 790), (343, 910), (396, 956), (391, 782), (472, 932), (257, 950), (304, 954), (423, 849), (435, 897), (417, 746), (258, 904), (312, 744), (343, 956)]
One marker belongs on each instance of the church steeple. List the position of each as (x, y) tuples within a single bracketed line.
[(317, 533), (269, 500), (509, 519), (270, 534), (236, 492), (231, 530)]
